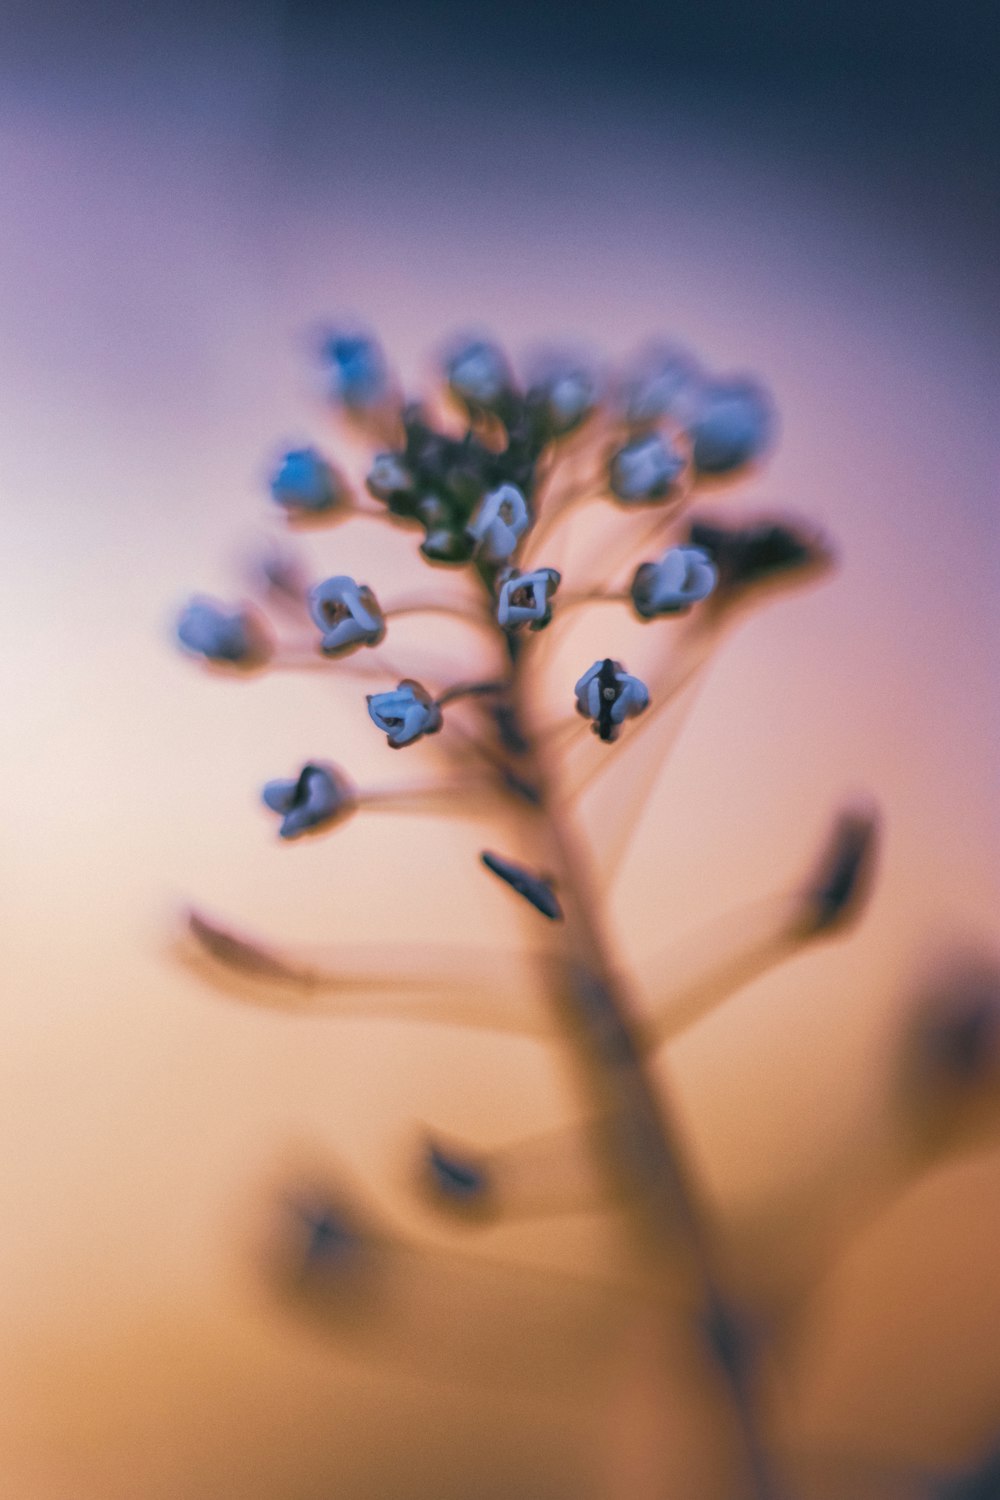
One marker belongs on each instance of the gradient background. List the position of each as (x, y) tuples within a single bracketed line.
[(807, 194)]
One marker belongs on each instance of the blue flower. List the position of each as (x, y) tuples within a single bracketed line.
[(389, 477), (359, 378), (478, 374), (499, 523), (733, 424), (317, 798), (682, 577), (405, 714), (565, 392), (229, 637), (645, 469), (663, 382), (608, 695), (526, 599), (305, 483), (348, 615)]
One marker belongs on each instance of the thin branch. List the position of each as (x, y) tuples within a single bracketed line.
[(466, 614), (455, 1316), (471, 690), (708, 970), (466, 987)]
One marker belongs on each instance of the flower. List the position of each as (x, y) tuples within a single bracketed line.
[(499, 523), (389, 479), (478, 374), (405, 714), (608, 695), (645, 469), (564, 394), (306, 484), (526, 598), (234, 638), (347, 613), (662, 383), (317, 798), (733, 424), (358, 376), (682, 577)]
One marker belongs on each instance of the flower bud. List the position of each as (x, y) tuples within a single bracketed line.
[(535, 889), (733, 424), (478, 374), (233, 638), (305, 484), (682, 577), (358, 378), (646, 469), (317, 798), (563, 394), (499, 523), (608, 695), (347, 613), (405, 714), (526, 599), (388, 478), (662, 383)]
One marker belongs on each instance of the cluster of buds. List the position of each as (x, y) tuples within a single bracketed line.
[(491, 472), (479, 495)]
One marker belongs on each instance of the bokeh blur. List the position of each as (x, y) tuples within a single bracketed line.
[(806, 193)]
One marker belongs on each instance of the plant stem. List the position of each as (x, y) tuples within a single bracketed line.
[(643, 1148)]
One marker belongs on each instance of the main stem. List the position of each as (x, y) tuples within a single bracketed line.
[(642, 1143)]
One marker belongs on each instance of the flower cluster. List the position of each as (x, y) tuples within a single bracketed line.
[(492, 473)]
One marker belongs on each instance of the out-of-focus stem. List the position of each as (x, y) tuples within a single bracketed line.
[(468, 614), (642, 1146)]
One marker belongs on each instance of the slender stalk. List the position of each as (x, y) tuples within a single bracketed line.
[(466, 613), (642, 1146), (470, 690)]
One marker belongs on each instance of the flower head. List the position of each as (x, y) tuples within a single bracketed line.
[(478, 374), (229, 637), (682, 577), (608, 695), (645, 469), (317, 798), (526, 598), (733, 424), (405, 714), (305, 484), (499, 523), (347, 613), (358, 378)]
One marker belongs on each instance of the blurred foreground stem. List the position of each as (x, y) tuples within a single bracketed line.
[(642, 1148)]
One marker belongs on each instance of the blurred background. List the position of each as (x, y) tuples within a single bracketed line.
[(808, 193)]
